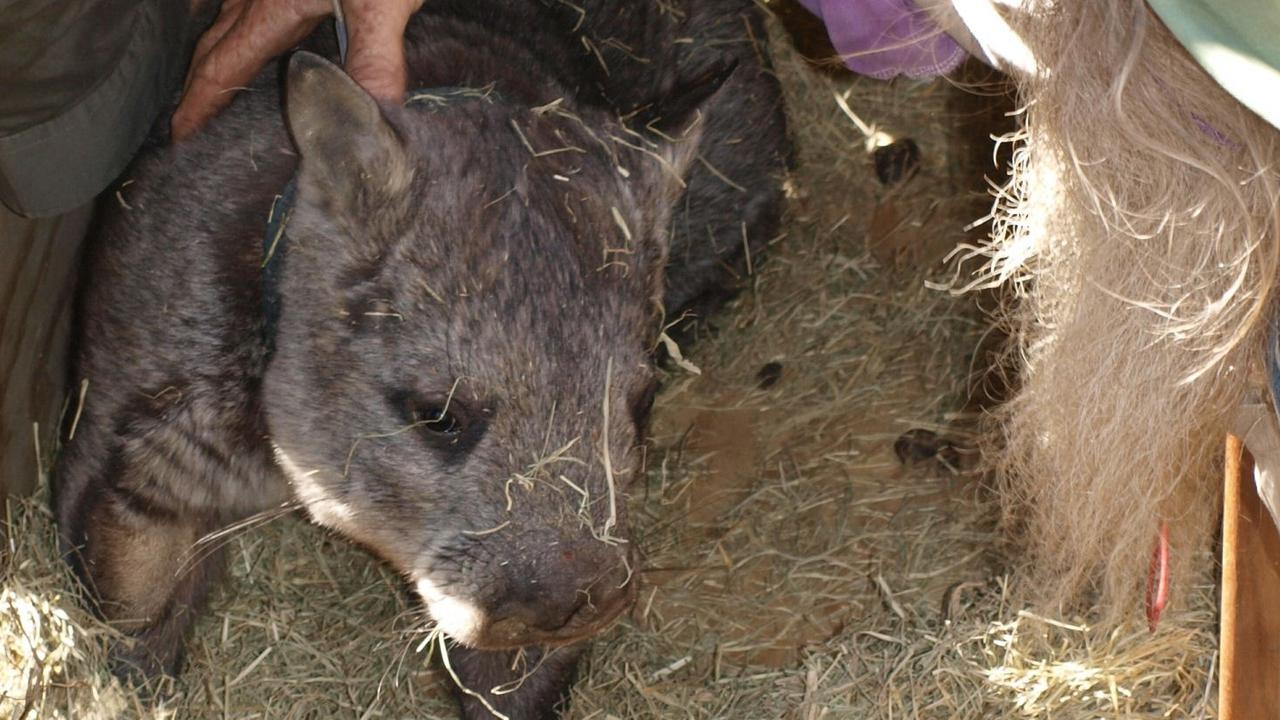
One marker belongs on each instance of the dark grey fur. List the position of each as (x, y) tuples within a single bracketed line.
[(433, 261)]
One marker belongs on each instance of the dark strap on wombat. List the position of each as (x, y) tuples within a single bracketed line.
[(273, 241), (274, 245)]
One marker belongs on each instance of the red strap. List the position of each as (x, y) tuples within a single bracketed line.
[(1158, 578)]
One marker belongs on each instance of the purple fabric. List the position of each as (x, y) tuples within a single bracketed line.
[(887, 38)]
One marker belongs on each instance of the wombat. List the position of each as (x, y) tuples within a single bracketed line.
[(445, 351)]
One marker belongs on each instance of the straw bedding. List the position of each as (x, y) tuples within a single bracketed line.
[(796, 568)]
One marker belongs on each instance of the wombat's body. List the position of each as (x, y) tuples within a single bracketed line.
[(469, 292)]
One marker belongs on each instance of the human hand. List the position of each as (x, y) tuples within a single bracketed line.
[(249, 33)]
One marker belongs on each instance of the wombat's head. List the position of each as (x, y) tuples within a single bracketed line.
[(462, 369)]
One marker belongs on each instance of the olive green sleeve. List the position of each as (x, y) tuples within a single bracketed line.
[(80, 85)]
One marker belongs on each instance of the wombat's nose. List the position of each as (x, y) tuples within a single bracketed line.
[(564, 592)]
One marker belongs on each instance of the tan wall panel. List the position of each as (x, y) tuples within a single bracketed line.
[(37, 280)]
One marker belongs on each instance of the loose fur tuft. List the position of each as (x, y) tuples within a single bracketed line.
[(1140, 235)]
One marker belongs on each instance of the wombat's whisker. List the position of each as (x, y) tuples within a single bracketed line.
[(213, 541), (419, 620), (251, 521)]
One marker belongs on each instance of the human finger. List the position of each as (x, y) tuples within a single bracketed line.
[(263, 30), (375, 49), (228, 14)]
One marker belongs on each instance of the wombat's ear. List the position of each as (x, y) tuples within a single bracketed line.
[(345, 143), (675, 119), (674, 125), (678, 107)]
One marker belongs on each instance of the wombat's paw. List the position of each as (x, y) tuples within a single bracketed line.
[(535, 683), (148, 670), (474, 710)]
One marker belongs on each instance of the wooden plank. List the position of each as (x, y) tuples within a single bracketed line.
[(1249, 671), (38, 259)]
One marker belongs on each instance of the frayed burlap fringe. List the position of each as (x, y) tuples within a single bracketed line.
[(1140, 235)]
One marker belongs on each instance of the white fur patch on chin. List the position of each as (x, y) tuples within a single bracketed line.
[(459, 619)]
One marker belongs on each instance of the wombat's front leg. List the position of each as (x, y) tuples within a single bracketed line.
[(139, 486), (532, 687), (149, 578)]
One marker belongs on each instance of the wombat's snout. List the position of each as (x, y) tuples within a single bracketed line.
[(564, 593), (552, 593)]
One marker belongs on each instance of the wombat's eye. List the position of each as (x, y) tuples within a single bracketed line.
[(445, 422), (436, 419)]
